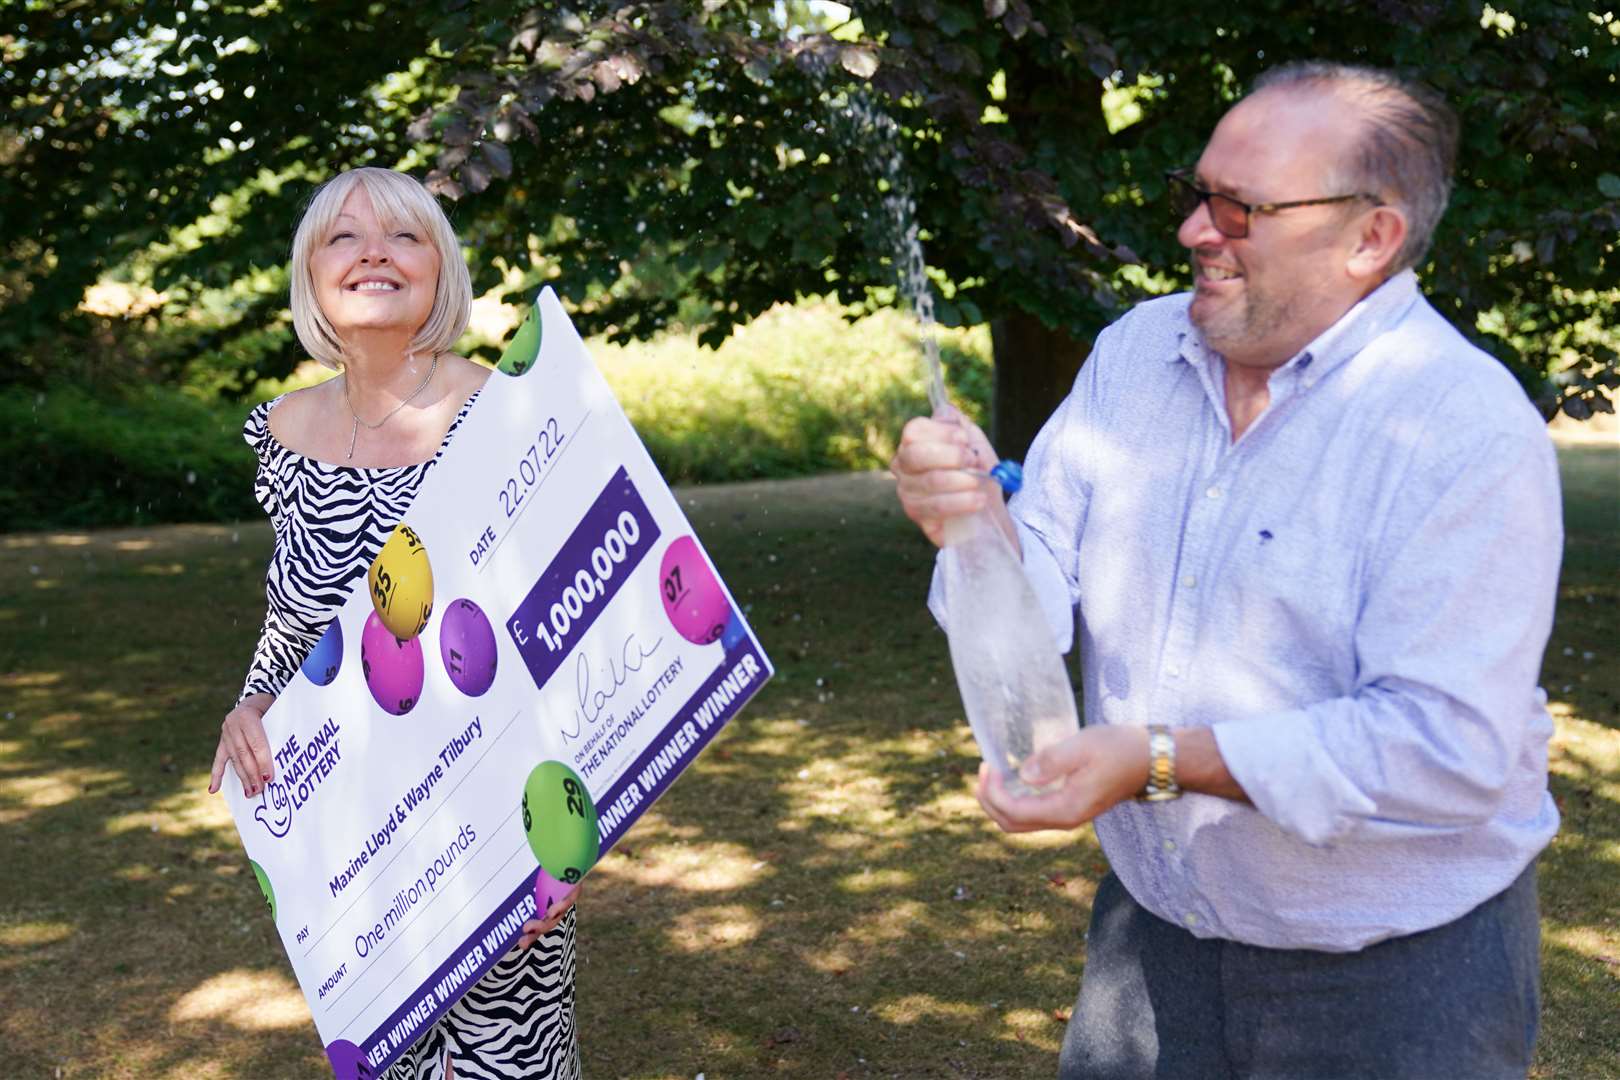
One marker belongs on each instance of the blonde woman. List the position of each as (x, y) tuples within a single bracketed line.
[(380, 293)]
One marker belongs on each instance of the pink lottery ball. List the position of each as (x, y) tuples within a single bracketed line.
[(467, 647), (692, 596), (393, 668), (548, 892)]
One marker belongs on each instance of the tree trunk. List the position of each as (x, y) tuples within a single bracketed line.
[(1035, 367)]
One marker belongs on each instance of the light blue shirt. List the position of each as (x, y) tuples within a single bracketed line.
[(1356, 595)]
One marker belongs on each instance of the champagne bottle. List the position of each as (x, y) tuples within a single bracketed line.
[(1008, 668)]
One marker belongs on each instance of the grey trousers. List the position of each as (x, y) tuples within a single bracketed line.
[(1461, 1000)]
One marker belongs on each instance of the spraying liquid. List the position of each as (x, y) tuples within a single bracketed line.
[(877, 130), (1010, 673)]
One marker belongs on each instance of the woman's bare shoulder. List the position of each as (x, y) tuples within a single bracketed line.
[(466, 375), (299, 414)]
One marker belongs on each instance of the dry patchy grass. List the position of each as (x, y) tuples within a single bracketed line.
[(820, 896)]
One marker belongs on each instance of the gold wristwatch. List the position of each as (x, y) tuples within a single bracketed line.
[(1161, 781)]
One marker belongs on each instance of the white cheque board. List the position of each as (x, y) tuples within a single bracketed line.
[(539, 650)]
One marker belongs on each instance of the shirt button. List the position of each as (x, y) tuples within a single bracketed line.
[(1189, 582), (1191, 918), (1169, 845), (1174, 671), (1213, 492)]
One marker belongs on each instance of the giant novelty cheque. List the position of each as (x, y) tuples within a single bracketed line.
[(541, 647)]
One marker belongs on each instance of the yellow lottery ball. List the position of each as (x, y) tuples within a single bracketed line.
[(401, 584)]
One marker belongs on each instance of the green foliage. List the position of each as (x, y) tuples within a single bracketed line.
[(175, 143), (661, 158), (153, 455), (1038, 144), (798, 391), (79, 459)]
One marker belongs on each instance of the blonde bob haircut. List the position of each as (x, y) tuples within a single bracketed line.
[(400, 201)]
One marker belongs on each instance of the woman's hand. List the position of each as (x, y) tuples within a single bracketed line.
[(536, 927), (243, 744)]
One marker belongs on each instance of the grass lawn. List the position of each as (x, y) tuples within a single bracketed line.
[(819, 897)]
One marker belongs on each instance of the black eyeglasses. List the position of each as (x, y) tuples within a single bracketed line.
[(1230, 216)]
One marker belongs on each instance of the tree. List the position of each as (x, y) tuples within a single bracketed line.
[(127, 124), (654, 153), (1033, 194)]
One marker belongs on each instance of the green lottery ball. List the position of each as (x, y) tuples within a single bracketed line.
[(520, 353), (559, 819), (264, 887)]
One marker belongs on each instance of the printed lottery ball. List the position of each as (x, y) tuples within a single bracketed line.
[(520, 353), (734, 634), (467, 646), (559, 819), (348, 1063), (548, 893), (401, 584), (393, 667), (692, 596), (264, 887), (322, 663)]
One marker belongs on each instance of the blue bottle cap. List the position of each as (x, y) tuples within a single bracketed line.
[(1009, 474)]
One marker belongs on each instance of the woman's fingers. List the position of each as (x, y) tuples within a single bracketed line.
[(534, 928), (217, 774), (243, 741)]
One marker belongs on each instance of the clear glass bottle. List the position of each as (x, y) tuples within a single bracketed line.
[(1008, 668)]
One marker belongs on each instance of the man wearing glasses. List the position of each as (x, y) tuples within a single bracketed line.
[(1313, 538)]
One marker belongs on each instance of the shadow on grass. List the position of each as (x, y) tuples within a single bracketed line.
[(820, 896)]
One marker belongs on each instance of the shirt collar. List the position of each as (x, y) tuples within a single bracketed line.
[(1354, 331)]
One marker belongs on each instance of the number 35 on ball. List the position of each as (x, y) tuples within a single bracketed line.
[(401, 584)]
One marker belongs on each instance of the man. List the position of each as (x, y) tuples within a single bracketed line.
[(1313, 537)]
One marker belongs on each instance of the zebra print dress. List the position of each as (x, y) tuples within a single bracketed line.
[(330, 521)]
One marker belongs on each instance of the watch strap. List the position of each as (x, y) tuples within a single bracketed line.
[(1161, 781)]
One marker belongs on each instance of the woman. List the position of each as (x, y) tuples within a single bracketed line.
[(380, 293)]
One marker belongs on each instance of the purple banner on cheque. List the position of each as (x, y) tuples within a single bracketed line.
[(608, 544), (740, 675)]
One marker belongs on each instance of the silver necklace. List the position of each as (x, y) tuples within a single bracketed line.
[(354, 432)]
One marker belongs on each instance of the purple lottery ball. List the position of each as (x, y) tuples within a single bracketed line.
[(393, 667), (322, 664), (348, 1063), (467, 646), (548, 892)]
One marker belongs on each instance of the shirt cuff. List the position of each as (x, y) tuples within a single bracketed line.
[(1285, 771)]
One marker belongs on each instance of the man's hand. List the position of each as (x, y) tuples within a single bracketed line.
[(1090, 771), (940, 469), (1097, 768)]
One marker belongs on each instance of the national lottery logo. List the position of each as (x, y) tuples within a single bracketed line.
[(274, 811), (301, 770)]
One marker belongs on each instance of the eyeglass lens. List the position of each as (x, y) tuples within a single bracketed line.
[(1230, 217)]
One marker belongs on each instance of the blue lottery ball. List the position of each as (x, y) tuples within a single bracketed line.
[(322, 664), (735, 632)]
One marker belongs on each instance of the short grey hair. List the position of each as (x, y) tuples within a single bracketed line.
[(1407, 148), (399, 200)]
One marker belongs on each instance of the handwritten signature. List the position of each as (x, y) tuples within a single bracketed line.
[(593, 702)]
